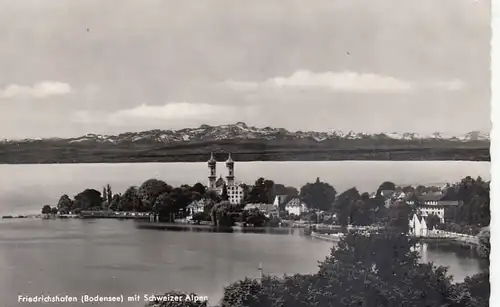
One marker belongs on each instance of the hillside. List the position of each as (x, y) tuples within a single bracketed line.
[(247, 144)]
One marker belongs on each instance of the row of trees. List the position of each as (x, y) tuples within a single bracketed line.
[(371, 271), (350, 206), (152, 196)]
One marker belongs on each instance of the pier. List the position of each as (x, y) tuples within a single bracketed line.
[(447, 236)]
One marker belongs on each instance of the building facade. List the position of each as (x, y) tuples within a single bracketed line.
[(235, 191), (418, 226), (432, 203), (295, 206)]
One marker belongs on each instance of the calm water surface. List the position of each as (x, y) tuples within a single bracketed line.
[(111, 257), (26, 188)]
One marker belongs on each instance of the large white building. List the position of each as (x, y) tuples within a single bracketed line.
[(235, 191), (432, 203)]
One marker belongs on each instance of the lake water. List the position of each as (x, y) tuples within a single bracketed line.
[(112, 257), (26, 188)]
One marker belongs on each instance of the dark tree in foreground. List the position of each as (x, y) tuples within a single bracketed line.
[(484, 243), (369, 271)]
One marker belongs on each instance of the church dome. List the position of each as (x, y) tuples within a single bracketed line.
[(229, 160), (212, 161)]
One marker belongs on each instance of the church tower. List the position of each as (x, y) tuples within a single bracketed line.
[(211, 177), (230, 168)]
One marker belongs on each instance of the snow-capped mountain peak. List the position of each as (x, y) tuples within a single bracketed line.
[(242, 131)]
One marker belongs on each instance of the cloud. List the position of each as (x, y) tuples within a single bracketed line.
[(171, 111), (346, 81), (40, 90), (177, 112)]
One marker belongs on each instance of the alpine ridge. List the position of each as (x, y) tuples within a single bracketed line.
[(247, 143), (241, 131)]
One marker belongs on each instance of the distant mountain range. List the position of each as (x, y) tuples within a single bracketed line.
[(241, 131), (248, 143)]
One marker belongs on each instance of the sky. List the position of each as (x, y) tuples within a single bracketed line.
[(72, 67)]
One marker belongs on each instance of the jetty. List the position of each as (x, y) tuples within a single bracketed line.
[(114, 215), (447, 236), (327, 237)]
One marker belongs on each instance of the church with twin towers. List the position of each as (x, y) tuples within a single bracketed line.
[(235, 191)]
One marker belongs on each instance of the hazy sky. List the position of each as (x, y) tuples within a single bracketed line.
[(71, 67)]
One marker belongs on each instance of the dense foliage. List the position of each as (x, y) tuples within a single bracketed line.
[(46, 209), (370, 271), (89, 199), (474, 197), (318, 195), (150, 190), (484, 247), (65, 204)]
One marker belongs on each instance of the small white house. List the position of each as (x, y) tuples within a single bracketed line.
[(418, 226), (296, 207), (196, 206)]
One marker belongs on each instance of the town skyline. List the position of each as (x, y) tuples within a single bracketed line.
[(96, 67)]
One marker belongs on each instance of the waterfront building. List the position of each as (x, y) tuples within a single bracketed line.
[(196, 206), (235, 190), (418, 225), (433, 203), (296, 207)]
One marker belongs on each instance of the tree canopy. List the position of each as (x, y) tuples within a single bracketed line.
[(386, 185), (46, 209), (261, 192), (318, 195), (150, 190), (64, 204), (88, 199), (131, 201)]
